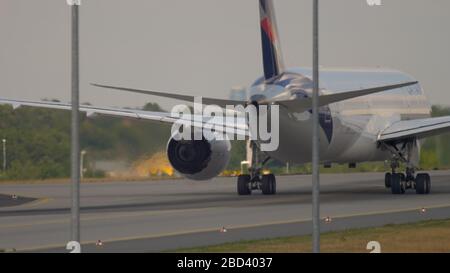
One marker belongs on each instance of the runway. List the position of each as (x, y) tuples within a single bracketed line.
[(167, 215)]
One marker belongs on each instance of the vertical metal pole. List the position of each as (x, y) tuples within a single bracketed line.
[(75, 160), (83, 153), (315, 133), (4, 155)]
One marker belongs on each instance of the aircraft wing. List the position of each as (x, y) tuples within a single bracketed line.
[(239, 127), (415, 128)]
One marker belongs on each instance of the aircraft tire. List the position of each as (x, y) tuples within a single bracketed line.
[(387, 180), (397, 185), (423, 183), (243, 185), (268, 184)]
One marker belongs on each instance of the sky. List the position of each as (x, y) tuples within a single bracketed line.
[(205, 47)]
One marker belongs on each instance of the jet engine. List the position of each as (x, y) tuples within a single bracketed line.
[(199, 159)]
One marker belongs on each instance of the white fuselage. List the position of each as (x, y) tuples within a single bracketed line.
[(349, 129)]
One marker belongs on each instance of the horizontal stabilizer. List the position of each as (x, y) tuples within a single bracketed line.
[(306, 103), (208, 101)]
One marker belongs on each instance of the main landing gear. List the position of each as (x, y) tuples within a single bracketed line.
[(400, 182), (406, 151), (266, 183), (246, 183)]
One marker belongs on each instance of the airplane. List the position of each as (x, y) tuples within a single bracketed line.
[(365, 115)]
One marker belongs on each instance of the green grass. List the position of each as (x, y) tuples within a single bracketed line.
[(422, 237)]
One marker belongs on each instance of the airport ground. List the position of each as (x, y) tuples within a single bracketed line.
[(169, 215), (411, 239)]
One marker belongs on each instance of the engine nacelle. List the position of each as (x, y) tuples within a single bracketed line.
[(199, 159)]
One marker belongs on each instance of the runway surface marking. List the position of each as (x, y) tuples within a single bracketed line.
[(171, 214), (159, 212), (293, 221), (96, 218), (35, 203)]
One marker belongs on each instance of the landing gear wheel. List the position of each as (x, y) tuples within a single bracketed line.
[(428, 184), (423, 183), (387, 180), (397, 185), (243, 185), (268, 184), (274, 183)]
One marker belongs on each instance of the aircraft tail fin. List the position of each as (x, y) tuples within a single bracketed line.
[(272, 56)]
